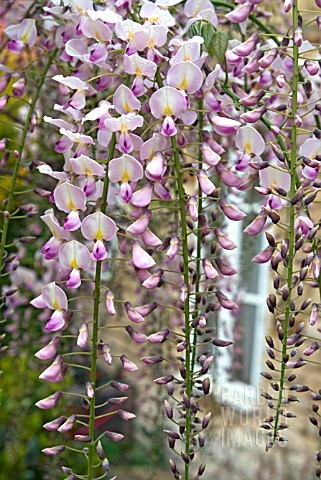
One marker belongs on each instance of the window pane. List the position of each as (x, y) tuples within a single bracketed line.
[(243, 356)]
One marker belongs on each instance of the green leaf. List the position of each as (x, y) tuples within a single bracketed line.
[(207, 32), (219, 45), (195, 29)]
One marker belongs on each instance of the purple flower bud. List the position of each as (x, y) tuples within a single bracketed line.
[(53, 451), (247, 47), (209, 269), (133, 315), (257, 225), (83, 335), (298, 36), (114, 436), (288, 4), (206, 420), (280, 80), (266, 61), (138, 337), (225, 302), (159, 337), (253, 99), (105, 465), (69, 423), (3, 101), (164, 380), (121, 387), (89, 390), (54, 424), (241, 13), (254, 115), (83, 438), (49, 402), (225, 268), (173, 247), (107, 354), (125, 415), (311, 67), (109, 300), (49, 351), (314, 313), (100, 451), (168, 409), (128, 365), (221, 343), (152, 360), (311, 349), (18, 88), (230, 211), (183, 293), (264, 256)]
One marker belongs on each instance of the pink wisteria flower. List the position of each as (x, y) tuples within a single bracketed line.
[(54, 298), (59, 234), (126, 170), (25, 33), (70, 199), (74, 256), (99, 228), (168, 102)]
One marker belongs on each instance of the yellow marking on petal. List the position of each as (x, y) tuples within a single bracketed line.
[(168, 111), (24, 38), (151, 43), (127, 107), (71, 205), (124, 127), (247, 148), (187, 58), (153, 19), (130, 35), (184, 84), (99, 235), (125, 177), (74, 263), (138, 71), (55, 305), (88, 172)]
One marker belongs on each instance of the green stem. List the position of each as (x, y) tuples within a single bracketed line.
[(199, 230), (95, 328), (181, 194), (11, 195), (292, 168)]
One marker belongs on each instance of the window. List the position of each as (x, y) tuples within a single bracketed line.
[(239, 366)]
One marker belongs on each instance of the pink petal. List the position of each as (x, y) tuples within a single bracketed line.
[(167, 101), (97, 226), (54, 297), (141, 259)]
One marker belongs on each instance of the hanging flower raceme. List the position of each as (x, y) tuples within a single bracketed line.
[(54, 298), (99, 228)]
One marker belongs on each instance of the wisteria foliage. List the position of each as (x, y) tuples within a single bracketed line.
[(165, 115)]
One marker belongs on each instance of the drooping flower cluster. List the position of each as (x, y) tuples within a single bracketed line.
[(152, 98)]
